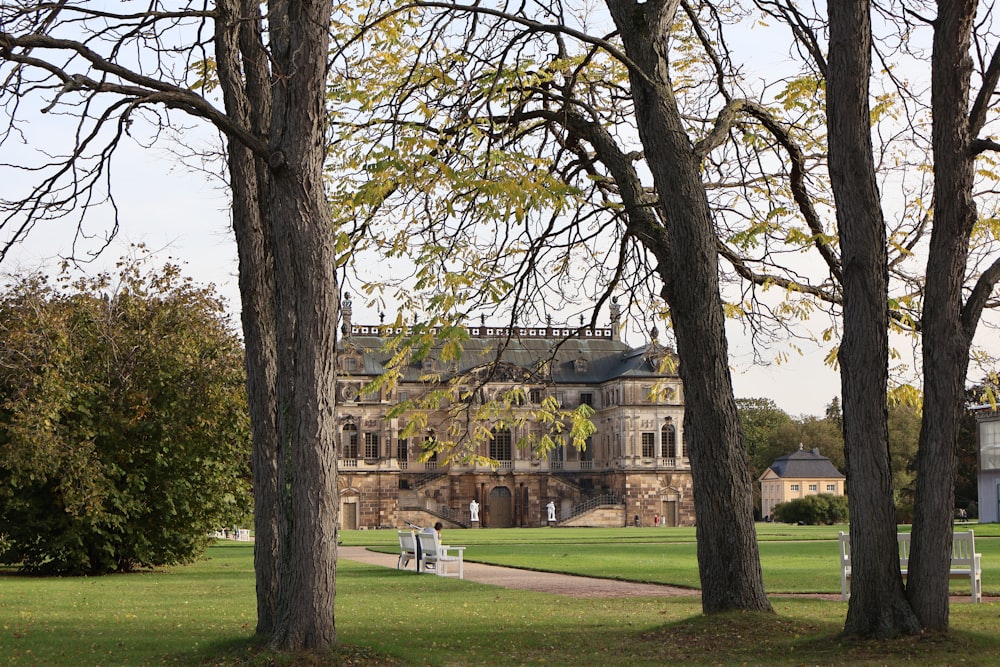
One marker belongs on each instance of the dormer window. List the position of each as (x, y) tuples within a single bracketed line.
[(427, 364), (580, 365)]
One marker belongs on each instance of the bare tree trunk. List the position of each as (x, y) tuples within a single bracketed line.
[(878, 606), (243, 76), (303, 238), (947, 335), (728, 558)]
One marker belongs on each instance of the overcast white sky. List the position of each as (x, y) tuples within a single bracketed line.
[(184, 216)]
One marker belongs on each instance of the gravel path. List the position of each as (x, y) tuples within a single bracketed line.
[(529, 580), (569, 585)]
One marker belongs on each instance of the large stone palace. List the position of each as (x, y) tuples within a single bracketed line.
[(633, 468)]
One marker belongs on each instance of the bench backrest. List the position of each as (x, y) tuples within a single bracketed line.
[(845, 549), (407, 542), (903, 543), (429, 543), (963, 548)]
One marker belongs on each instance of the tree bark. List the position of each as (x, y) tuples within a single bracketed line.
[(728, 557), (947, 336), (303, 239), (286, 244), (243, 78), (878, 605)]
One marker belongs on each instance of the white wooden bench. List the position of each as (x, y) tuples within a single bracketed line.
[(407, 548), (965, 562), (435, 555)]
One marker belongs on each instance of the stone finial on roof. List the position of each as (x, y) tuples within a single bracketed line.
[(616, 313), (345, 315)]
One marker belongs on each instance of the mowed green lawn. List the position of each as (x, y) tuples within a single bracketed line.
[(794, 559), (204, 614)]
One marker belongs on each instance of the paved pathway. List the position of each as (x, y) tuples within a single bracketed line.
[(530, 580)]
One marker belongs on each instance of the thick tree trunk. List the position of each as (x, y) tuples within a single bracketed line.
[(303, 239), (728, 557), (947, 336), (243, 77), (878, 606)]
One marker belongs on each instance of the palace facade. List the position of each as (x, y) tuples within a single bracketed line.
[(634, 465)]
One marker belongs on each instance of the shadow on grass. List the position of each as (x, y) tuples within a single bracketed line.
[(255, 653), (769, 639)]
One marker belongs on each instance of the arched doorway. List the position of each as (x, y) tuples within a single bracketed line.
[(501, 507)]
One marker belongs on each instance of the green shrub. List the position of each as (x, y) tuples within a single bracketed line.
[(124, 431), (821, 509)]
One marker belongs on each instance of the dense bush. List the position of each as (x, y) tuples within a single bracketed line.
[(813, 510), (124, 432)]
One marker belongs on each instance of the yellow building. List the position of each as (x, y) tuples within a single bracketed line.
[(798, 475)]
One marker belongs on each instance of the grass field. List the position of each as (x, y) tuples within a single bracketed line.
[(204, 614), (794, 559)]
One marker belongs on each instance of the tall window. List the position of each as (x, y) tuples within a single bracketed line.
[(648, 445), (556, 453), (371, 445), (429, 443), (989, 445), (402, 449), (349, 441), (500, 445), (587, 398), (668, 437)]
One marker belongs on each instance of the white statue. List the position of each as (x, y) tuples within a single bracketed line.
[(551, 507), (474, 510)]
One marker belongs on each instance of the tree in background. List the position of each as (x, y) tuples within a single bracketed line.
[(904, 439), (761, 419), (773, 433), (124, 424), (763, 422)]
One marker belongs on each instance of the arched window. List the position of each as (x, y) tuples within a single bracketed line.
[(668, 438), (349, 441)]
